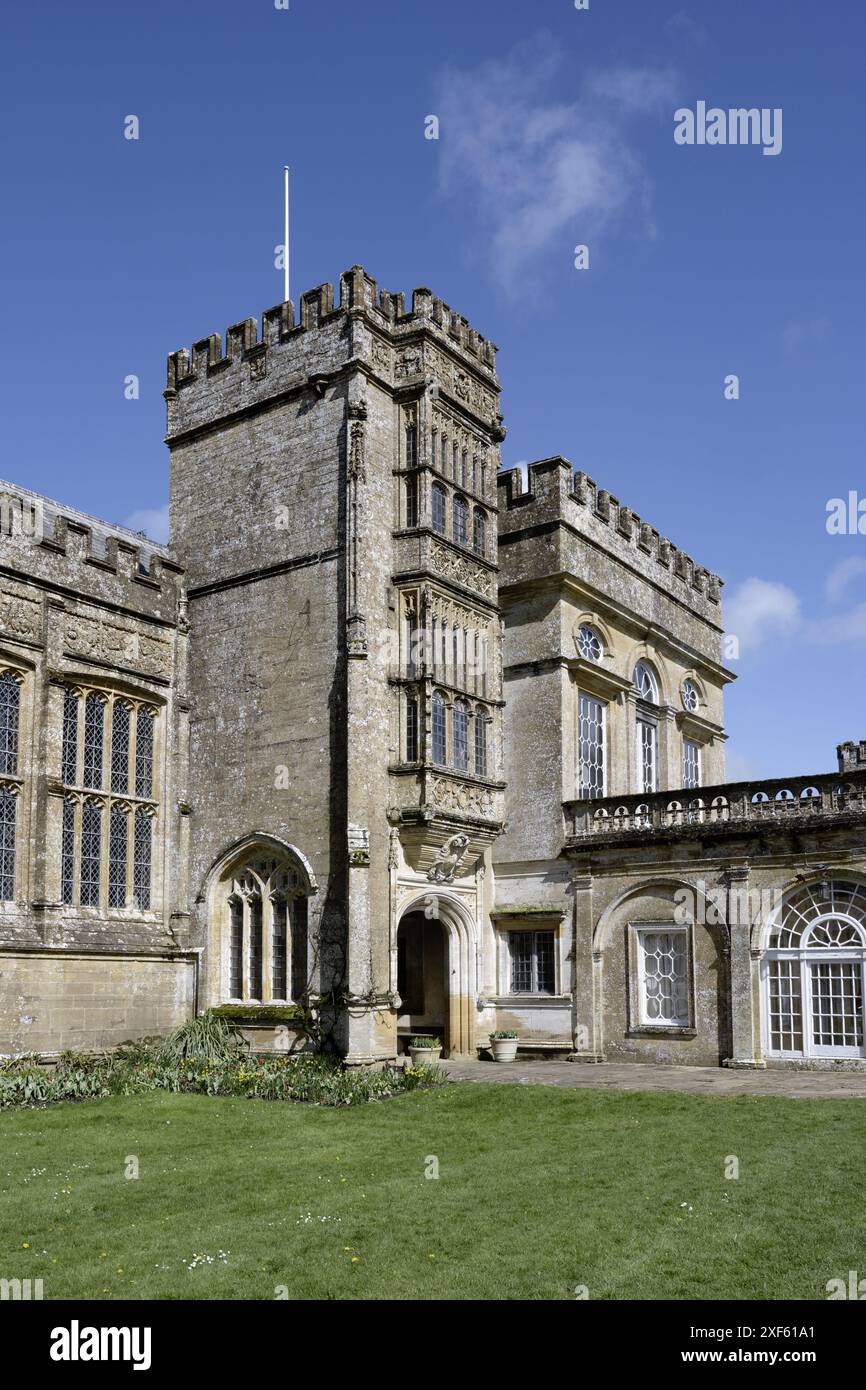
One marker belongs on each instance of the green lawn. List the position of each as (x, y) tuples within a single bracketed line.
[(539, 1190)]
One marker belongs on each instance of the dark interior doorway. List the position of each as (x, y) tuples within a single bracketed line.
[(422, 955)]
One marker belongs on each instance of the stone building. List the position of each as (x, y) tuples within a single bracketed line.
[(385, 735)]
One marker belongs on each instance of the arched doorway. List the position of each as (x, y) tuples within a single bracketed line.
[(422, 978), (449, 950), (812, 973)]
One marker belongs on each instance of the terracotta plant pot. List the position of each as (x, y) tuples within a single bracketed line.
[(504, 1049)]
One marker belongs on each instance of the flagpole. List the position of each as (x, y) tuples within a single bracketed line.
[(286, 243)]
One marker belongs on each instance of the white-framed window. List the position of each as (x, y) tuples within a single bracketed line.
[(647, 754), (691, 763), (690, 696), (813, 973), (645, 683), (532, 962), (589, 644), (591, 747), (663, 976)]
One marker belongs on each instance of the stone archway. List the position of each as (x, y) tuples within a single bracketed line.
[(459, 964)]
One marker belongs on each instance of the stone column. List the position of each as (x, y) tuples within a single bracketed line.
[(746, 1053), (586, 1014)]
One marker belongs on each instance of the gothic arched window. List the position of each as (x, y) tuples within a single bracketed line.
[(264, 931)]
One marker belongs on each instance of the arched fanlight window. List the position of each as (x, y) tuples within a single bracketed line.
[(479, 529), (438, 729), (438, 508), (690, 696), (589, 644), (460, 515), (645, 683), (813, 971)]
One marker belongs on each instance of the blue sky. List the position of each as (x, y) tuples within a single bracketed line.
[(556, 129)]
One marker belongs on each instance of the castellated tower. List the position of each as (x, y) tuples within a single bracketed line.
[(333, 500)]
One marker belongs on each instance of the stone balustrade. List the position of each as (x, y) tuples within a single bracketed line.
[(779, 800)]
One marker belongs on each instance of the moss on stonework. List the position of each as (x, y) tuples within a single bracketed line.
[(260, 1014)]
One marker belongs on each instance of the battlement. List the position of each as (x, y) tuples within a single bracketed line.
[(36, 530), (556, 492), (358, 294)]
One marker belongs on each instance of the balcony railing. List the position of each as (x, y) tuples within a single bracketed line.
[(780, 800)]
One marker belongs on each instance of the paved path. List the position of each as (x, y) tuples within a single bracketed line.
[(706, 1081)]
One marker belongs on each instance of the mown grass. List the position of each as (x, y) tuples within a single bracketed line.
[(539, 1191)]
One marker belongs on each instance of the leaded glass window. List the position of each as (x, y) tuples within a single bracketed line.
[(461, 735), (94, 719), (67, 851), (69, 758), (121, 722), (117, 842), (10, 709), (411, 501), (663, 966), (437, 495), (279, 948), (438, 729), (591, 750), (144, 752), (91, 853), (479, 532), (411, 446), (411, 729), (142, 849), (480, 744), (461, 520), (236, 949), (8, 813), (533, 968), (256, 948), (299, 948)]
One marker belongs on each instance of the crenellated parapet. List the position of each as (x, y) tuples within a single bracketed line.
[(556, 493), (366, 326), (54, 544)]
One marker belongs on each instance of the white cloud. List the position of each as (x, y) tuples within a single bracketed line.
[(839, 578), (541, 175), (682, 26), (848, 627), (759, 609), (153, 521), (799, 333)]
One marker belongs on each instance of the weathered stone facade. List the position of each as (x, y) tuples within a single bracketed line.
[(371, 738)]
